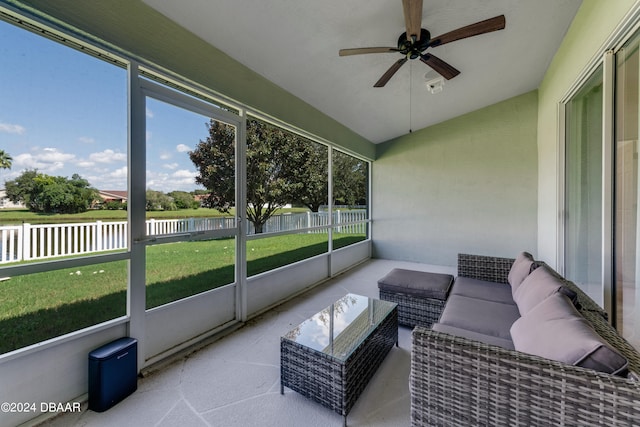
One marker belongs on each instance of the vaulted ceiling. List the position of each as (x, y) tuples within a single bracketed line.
[(295, 45)]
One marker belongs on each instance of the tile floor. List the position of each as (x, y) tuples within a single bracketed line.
[(236, 381)]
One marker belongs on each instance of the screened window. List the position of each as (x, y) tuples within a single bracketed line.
[(287, 191), (63, 136), (190, 167), (64, 126), (71, 238), (350, 199)]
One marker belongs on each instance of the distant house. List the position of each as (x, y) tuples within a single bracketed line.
[(5, 203), (113, 196), (200, 198)]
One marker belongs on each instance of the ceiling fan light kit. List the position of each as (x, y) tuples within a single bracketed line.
[(413, 43)]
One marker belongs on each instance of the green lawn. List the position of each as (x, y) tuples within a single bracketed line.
[(40, 306), (18, 216)]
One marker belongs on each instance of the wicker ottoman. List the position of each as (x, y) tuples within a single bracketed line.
[(420, 295)]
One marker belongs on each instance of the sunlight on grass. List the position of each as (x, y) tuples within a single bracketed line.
[(40, 306), (273, 252), (178, 270)]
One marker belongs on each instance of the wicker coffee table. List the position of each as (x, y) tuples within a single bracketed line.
[(331, 356)]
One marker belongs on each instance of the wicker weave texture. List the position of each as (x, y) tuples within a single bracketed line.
[(455, 381), (330, 382), (413, 311), (481, 267)]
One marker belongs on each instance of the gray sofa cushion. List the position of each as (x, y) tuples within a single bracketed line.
[(417, 283), (486, 317), (476, 336), (535, 288), (555, 330), (520, 269), (490, 291)]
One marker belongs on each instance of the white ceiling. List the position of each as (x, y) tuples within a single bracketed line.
[(295, 43)]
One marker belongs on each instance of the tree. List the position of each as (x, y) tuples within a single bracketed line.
[(158, 201), (311, 172), (282, 168), (114, 205), (19, 189), (350, 178), (5, 160), (51, 194), (215, 160), (271, 158), (183, 200)]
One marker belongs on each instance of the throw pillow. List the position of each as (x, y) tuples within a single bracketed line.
[(520, 269), (555, 330), (535, 288)]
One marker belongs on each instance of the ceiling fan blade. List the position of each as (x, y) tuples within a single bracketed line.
[(363, 50), (486, 26), (412, 17), (390, 72), (444, 69)]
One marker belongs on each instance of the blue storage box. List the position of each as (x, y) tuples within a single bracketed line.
[(113, 373)]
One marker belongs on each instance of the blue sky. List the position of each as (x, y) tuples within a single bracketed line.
[(64, 112)]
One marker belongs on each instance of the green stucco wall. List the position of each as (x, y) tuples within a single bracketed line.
[(135, 27), (594, 23), (465, 185)]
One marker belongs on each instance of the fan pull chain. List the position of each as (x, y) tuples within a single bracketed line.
[(410, 92)]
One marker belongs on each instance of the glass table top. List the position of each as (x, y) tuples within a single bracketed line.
[(340, 328)]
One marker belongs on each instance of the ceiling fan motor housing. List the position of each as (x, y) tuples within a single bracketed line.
[(413, 49)]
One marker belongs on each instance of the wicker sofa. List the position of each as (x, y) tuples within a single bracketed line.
[(456, 380)]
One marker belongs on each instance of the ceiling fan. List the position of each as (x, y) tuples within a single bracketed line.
[(413, 43)]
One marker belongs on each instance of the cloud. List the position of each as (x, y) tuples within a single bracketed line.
[(108, 156), (109, 179), (184, 174), (86, 140), (9, 128), (46, 160), (149, 113), (119, 173), (171, 166), (55, 155), (182, 148), (165, 156), (7, 175), (29, 161), (85, 164), (180, 180)]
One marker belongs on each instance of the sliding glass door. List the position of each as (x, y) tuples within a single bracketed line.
[(627, 240), (191, 261), (587, 202), (583, 188)]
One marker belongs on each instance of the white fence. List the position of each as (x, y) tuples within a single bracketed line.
[(41, 241), (350, 222)]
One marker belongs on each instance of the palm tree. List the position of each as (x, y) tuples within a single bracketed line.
[(5, 160)]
